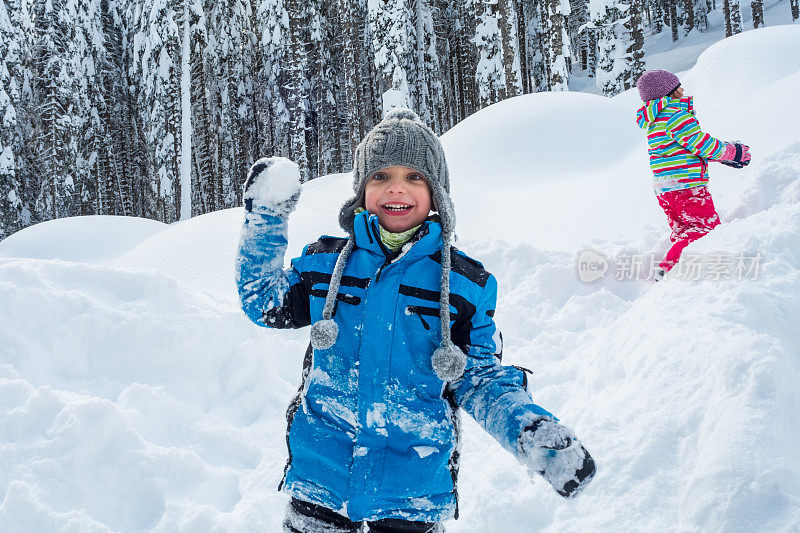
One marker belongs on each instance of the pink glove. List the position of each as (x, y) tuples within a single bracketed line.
[(736, 155)]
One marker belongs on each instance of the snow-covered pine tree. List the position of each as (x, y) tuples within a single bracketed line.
[(420, 37), (538, 42), (444, 17), (115, 128), (157, 64), (143, 191), (12, 210), (239, 105), (674, 21), (397, 94), (621, 58), (348, 107), (579, 33), (489, 75), (466, 57), (55, 126), (88, 50), (655, 15), (388, 21), (210, 37), (507, 13), (701, 15), (795, 6), (559, 49), (369, 103), (324, 91), (295, 87), (522, 45), (687, 15), (634, 29), (272, 26), (423, 72)]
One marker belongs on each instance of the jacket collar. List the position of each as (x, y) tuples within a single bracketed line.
[(426, 241), (687, 104), (652, 108)]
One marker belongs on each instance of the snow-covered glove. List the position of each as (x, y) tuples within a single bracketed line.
[(552, 451), (737, 155), (272, 186)]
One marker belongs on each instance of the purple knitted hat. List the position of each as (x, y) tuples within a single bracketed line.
[(657, 83)]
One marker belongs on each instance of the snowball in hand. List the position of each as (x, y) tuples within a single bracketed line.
[(274, 181)]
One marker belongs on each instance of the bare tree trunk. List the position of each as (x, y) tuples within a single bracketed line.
[(736, 17), (673, 19), (757, 7), (522, 47), (636, 49), (726, 12), (348, 113), (688, 16), (509, 40), (557, 59), (295, 88)]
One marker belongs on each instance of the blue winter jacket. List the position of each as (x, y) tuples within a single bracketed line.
[(373, 432)]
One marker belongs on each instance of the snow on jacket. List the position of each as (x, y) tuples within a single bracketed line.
[(373, 433), (679, 150)]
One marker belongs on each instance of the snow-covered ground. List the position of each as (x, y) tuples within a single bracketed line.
[(135, 395)]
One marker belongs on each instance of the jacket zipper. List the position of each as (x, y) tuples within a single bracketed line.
[(366, 226), (383, 249)]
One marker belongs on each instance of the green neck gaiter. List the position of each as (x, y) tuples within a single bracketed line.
[(393, 241)]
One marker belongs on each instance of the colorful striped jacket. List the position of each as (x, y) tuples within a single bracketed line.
[(679, 150)]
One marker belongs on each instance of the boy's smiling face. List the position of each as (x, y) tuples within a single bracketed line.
[(399, 196)]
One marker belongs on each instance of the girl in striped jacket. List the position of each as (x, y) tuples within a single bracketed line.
[(679, 154)]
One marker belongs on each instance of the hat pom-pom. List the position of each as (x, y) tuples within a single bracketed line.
[(323, 334), (449, 362), (398, 113)]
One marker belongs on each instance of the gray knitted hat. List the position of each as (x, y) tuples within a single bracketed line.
[(400, 139)]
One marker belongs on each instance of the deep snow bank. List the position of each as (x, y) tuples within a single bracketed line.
[(135, 396), (84, 239)]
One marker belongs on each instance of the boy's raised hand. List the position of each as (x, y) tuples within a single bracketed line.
[(273, 184), (552, 451)]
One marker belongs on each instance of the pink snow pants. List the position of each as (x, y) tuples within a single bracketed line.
[(691, 215)]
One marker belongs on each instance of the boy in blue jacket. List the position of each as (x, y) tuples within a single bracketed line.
[(402, 337)]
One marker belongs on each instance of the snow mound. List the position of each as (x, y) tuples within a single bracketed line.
[(747, 62), (538, 129), (199, 252), (130, 402), (88, 239)]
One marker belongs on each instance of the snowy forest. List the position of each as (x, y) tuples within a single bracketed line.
[(156, 108)]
